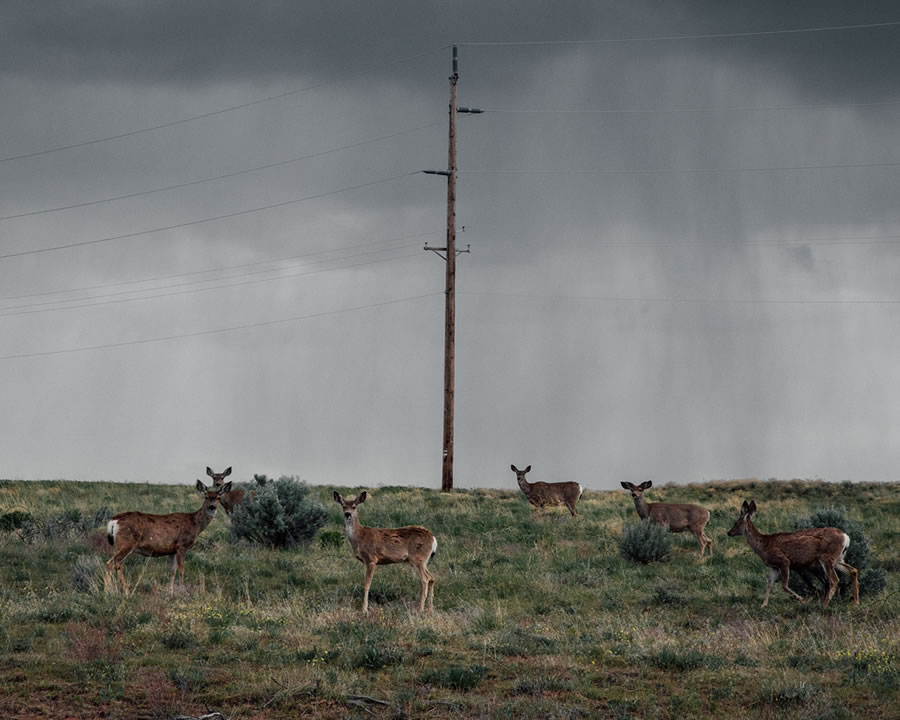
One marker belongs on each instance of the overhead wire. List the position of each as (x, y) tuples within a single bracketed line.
[(215, 331), (699, 109), (221, 111), (116, 298), (191, 223), (223, 176), (700, 36), (685, 300), (663, 171), (221, 268)]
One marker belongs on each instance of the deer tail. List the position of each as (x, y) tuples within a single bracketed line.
[(111, 529), (433, 548)]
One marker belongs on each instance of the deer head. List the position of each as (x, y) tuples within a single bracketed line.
[(211, 494), (218, 478), (740, 527), (349, 506), (637, 491)]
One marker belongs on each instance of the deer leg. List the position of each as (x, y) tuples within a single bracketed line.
[(174, 566), (370, 571), (430, 592), (424, 578), (832, 583), (110, 573), (181, 565), (854, 578), (773, 576), (705, 543), (116, 562), (785, 575)]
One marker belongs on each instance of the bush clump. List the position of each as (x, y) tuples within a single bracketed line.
[(645, 542), (279, 514), (67, 524), (14, 520), (871, 580)]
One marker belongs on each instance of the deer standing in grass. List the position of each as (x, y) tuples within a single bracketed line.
[(413, 544), (808, 548), (229, 499), (678, 517), (159, 535), (542, 494)]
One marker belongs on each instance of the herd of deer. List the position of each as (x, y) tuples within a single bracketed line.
[(174, 534)]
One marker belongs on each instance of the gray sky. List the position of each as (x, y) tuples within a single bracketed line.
[(684, 227)]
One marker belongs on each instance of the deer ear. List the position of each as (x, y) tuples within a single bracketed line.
[(201, 488), (627, 485), (645, 485), (209, 471), (361, 498), (752, 507), (513, 468), (528, 469), (337, 497), (225, 488), (227, 472)]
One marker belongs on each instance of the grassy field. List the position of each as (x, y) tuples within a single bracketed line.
[(536, 615)]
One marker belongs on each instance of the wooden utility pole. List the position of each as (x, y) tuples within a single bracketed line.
[(449, 254)]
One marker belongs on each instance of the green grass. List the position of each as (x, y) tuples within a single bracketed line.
[(537, 615)]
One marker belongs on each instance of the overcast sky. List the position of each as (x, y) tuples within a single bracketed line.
[(683, 218)]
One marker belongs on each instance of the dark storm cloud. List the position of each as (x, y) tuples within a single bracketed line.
[(210, 41)]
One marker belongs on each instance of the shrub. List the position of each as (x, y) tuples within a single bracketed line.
[(871, 581), (645, 542), (455, 677), (278, 514), (87, 573), (331, 538), (14, 520), (679, 659), (67, 524)]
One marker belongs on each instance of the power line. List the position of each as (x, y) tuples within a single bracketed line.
[(216, 177), (215, 331), (102, 299), (221, 268), (702, 109), (699, 301), (205, 220), (801, 242), (221, 111), (664, 171), (668, 38)]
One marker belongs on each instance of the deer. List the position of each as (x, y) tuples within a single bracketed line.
[(542, 494), (159, 535), (413, 545), (230, 499), (678, 517), (808, 548)]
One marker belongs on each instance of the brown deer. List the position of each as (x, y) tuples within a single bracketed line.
[(678, 517), (542, 494), (230, 499), (159, 535), (808, 548), (376, 546)]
